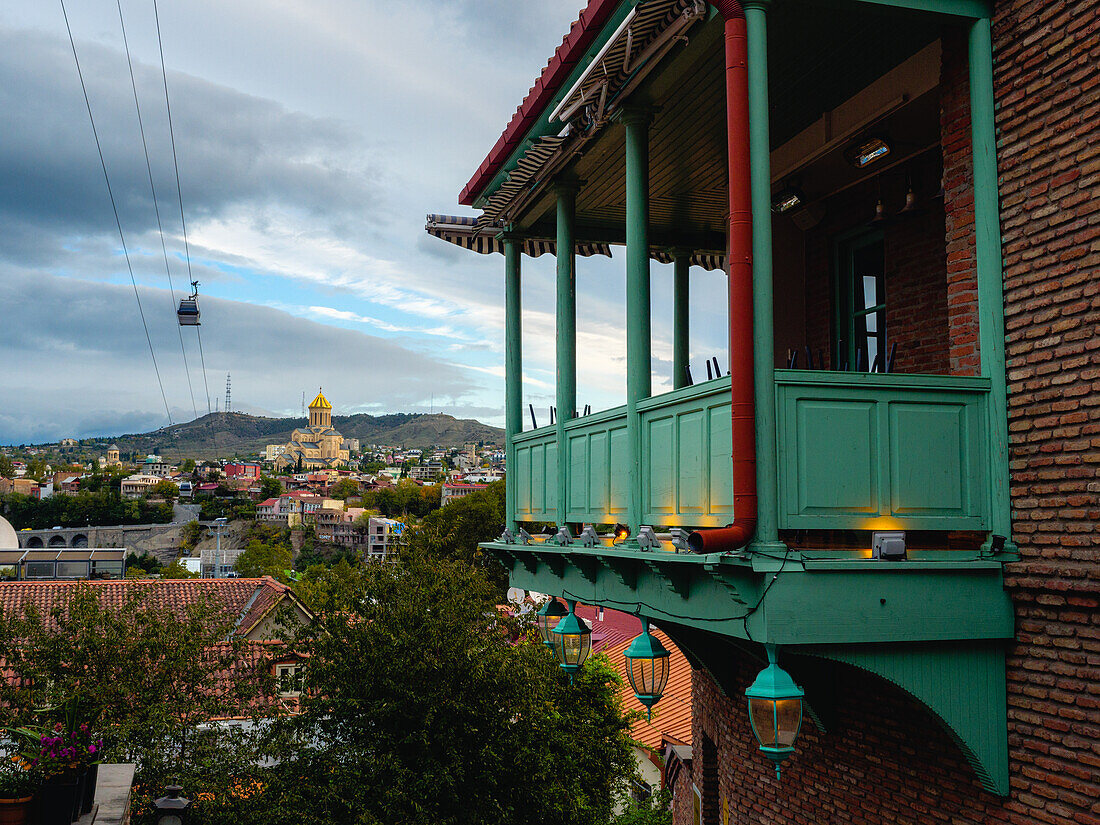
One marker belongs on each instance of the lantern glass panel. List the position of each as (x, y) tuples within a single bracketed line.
[(546, 627), (762, 716), (788, 719), (648, 677), (575, 648)]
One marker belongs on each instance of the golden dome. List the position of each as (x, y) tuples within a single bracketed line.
[(320, 402)]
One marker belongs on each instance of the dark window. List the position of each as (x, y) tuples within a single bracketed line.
[(863, 301)]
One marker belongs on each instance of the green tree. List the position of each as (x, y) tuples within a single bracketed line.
[(192, 534), (188, 465), (270, 487), (440, 714), (164, 489), (344, 488), (263, 559), (176, 570), (7, 466)]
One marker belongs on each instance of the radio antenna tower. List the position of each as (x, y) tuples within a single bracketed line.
[(303, 403), (228, 396)]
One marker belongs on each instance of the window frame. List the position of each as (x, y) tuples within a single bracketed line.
[(846, 246)]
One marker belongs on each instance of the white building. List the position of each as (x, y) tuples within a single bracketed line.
[(138, 485)]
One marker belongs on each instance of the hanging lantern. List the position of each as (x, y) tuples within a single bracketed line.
[(647, 668), (775, 710), (572, 641), (549, 616)]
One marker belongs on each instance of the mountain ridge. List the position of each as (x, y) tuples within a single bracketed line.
[(221, 435)]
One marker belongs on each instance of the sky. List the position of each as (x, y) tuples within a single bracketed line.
[(312, 140)]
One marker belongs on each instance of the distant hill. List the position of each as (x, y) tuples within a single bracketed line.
[(220, 435)]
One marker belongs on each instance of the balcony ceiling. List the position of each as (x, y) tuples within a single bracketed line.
[(819, 56)]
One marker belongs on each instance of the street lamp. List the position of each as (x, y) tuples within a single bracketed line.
[(572, 641), (647, 668), (172, 809), (549, 615), (775, 710)]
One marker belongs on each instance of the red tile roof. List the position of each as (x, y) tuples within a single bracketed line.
[(245, 601), (614, 628), (565, 58)]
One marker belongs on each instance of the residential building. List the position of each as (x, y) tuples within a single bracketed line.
[(426, 471), (273, 451), (455, 490), (317, 446), (154, 465), (885, 490), (290, 508), (139, 484), (383, 538), (235, 469)]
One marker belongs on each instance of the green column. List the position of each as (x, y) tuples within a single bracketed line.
[(638, 333), (680, 317), (767, 526), (513, 368), (987, 239), (566, 192)]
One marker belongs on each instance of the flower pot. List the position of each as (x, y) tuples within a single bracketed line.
[(15, 811), (57, 800), (90, 780)]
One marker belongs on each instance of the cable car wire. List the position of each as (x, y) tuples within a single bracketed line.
[(114, 208), (179, 191), (156, 207)]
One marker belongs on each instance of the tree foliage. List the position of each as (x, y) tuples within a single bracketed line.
[(79, 509)]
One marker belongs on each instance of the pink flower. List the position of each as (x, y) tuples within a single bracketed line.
[(91, 748)]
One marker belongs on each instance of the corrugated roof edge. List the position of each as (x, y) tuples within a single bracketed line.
[(580, 37)]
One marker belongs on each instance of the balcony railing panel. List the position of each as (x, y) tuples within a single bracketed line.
[(860, 451), (599, 452), (536, 475), (687, 477)]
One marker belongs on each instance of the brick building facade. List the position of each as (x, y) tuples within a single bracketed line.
[(882, 757)]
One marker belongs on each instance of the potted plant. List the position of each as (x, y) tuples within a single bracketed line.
[(60, 757), (18, 783)]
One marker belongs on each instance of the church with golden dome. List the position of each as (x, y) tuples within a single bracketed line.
[(318, 446)]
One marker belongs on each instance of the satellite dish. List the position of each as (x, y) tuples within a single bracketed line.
[(516, 595)]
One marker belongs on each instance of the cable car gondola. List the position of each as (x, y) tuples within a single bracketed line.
[(188, 313)]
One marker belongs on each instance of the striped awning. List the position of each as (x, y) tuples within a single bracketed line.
[(637, 45), (483, 238)]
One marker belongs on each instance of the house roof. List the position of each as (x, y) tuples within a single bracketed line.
[(565, 58), (246, 601)]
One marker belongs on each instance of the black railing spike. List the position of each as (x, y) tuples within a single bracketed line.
[(534, 423), (717, 369), (710, 374), (876, 363), (809, 358), (793, 363), (687, 369), (860, 363), (890, 357)]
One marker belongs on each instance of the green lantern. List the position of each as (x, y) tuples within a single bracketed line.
[(775, 710), (549, 615), (572, 641), (647, 668)]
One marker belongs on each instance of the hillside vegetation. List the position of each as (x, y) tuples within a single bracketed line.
[(226, 434)]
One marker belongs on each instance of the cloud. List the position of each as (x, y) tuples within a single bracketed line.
[(76, 361)]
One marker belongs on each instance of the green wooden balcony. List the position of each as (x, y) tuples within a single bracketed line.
[(855, 451)]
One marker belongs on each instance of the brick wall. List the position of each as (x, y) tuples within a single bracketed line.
[(916, 284), (886, 760)]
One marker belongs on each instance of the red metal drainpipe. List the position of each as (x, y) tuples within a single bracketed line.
[(742, 400)]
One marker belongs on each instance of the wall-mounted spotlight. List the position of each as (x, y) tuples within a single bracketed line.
[(563, 537), (508, 537), (865, 152), (647, 539), (524, 536), (680, 539), (588, 537), (786, 199), (888, 545)]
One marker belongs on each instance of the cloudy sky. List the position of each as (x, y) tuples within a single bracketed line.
[(312, 139)]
